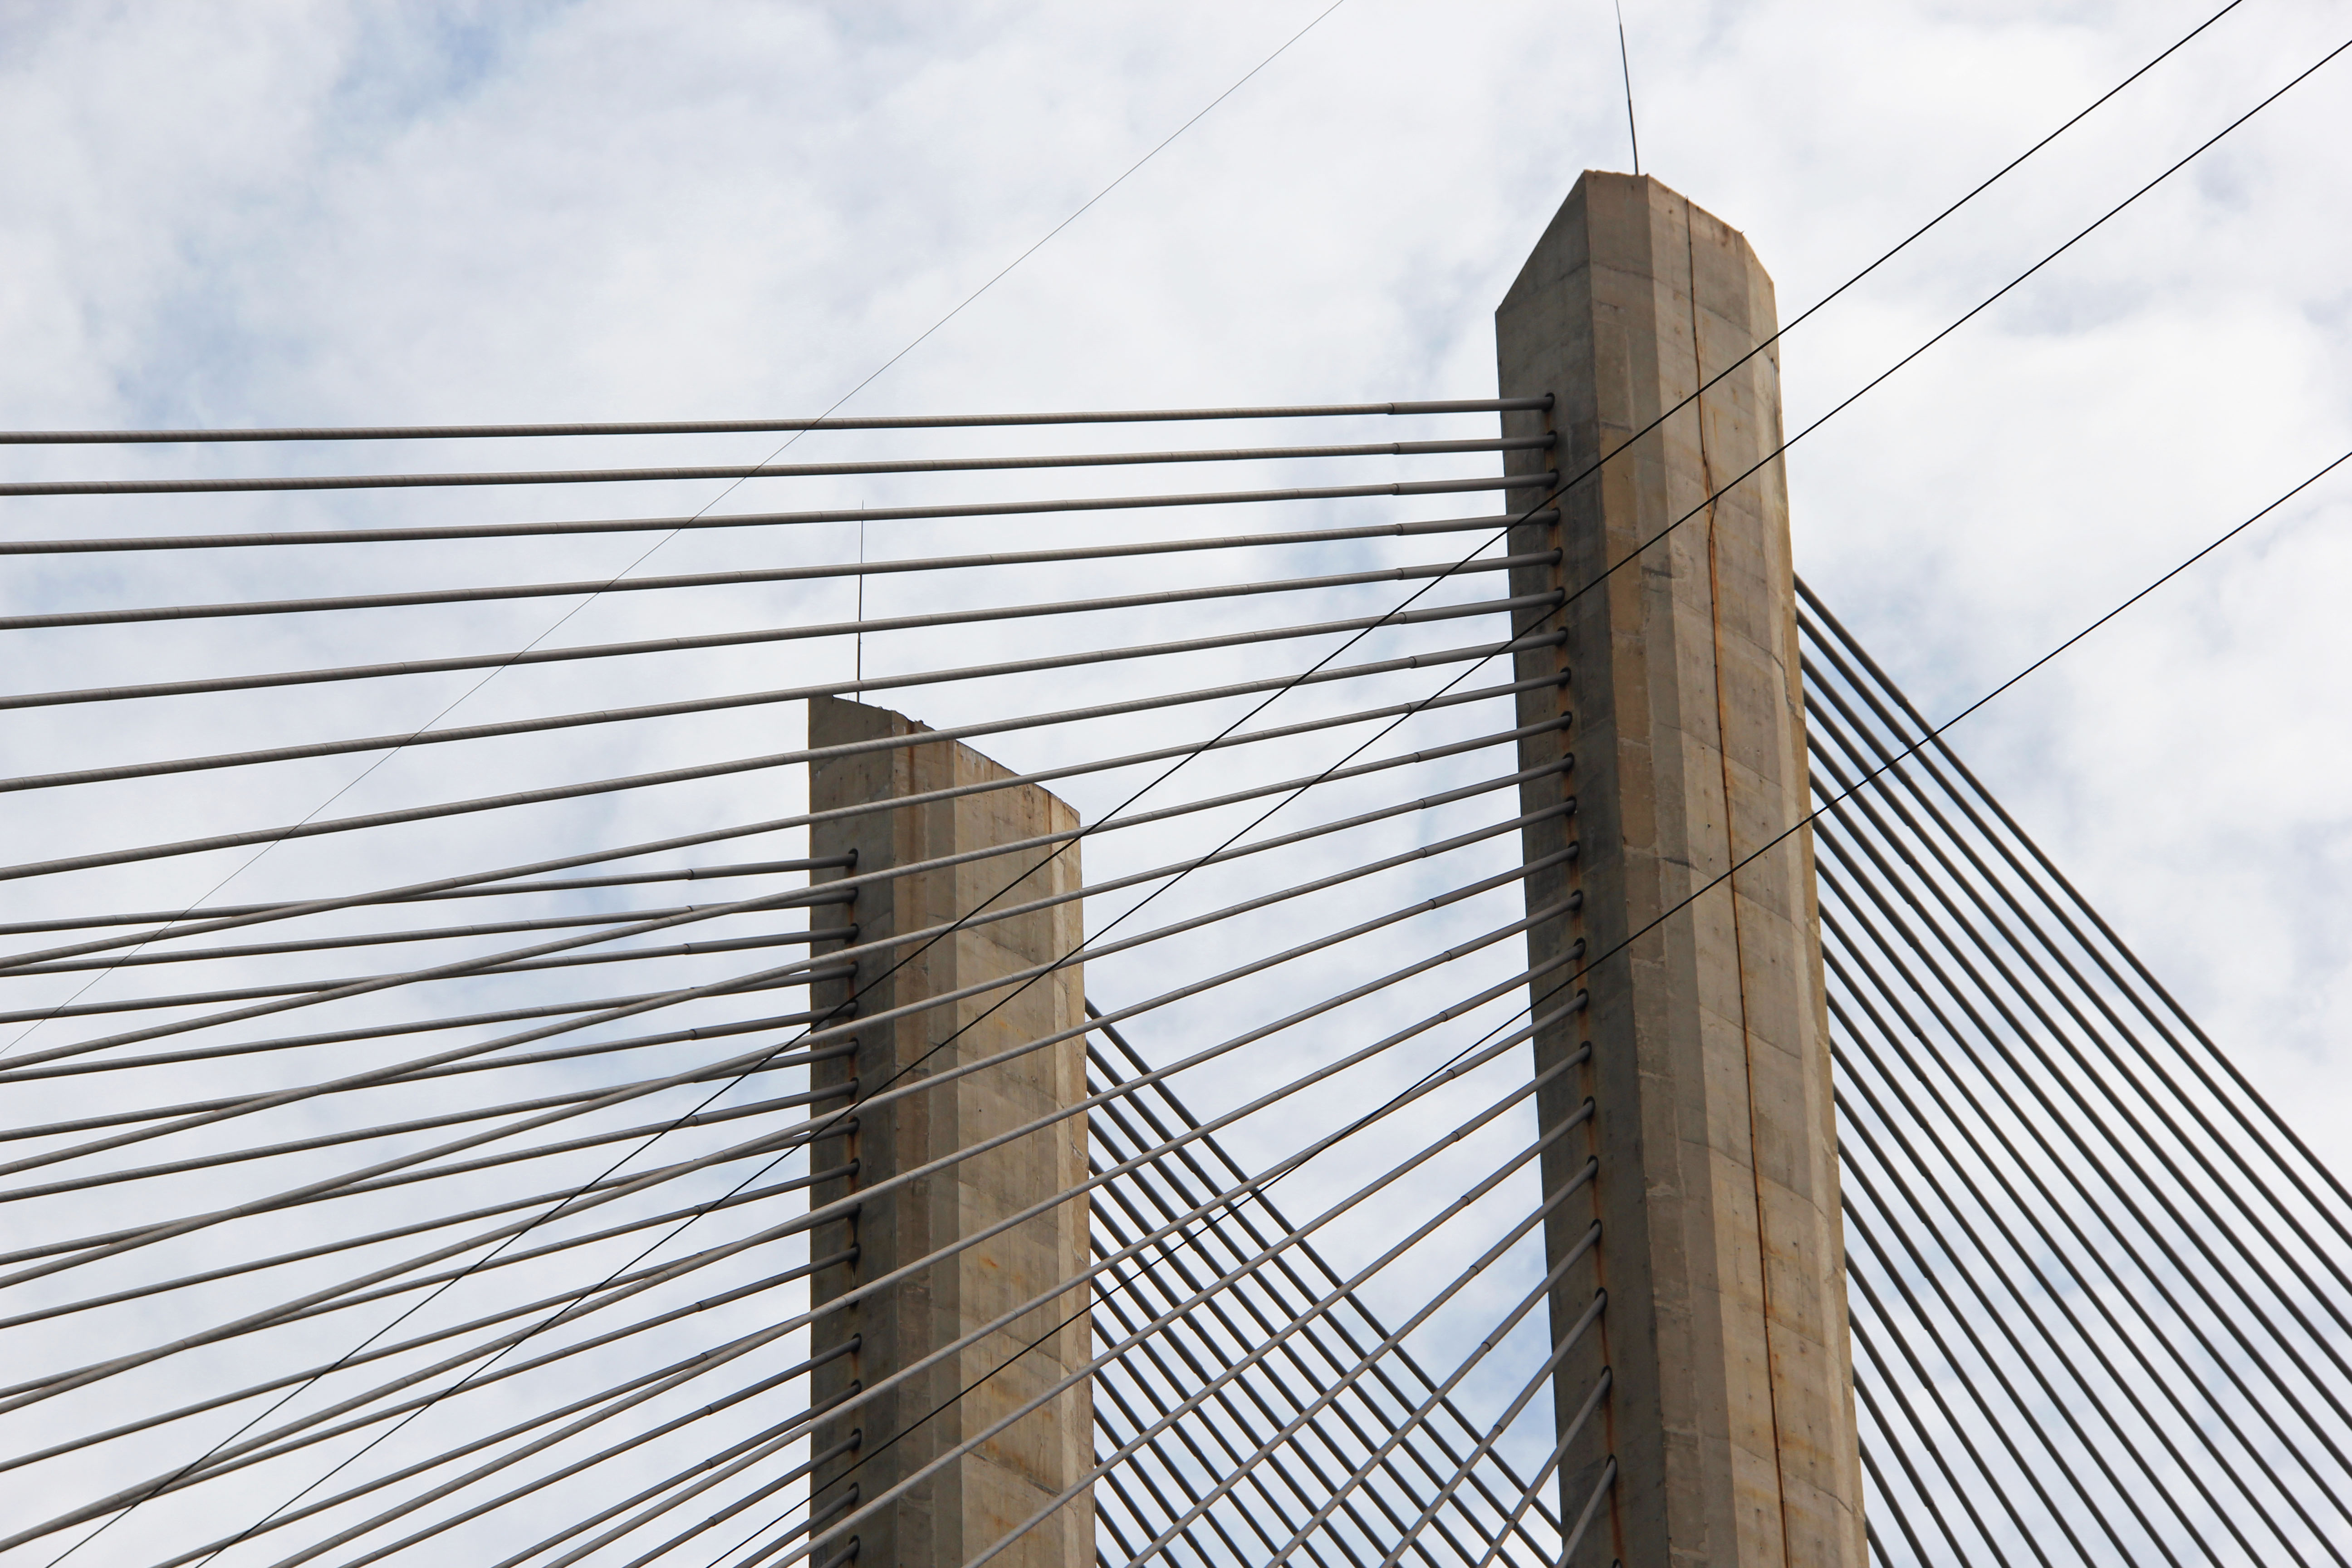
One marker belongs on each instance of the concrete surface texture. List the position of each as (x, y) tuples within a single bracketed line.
[(1730, 1413), (973, 1503)]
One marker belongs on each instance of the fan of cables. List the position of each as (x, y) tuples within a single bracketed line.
[(426, 1084), (2099, 1288), (430, 1046)]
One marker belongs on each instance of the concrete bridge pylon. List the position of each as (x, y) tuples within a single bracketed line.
[(1729, 1416), (974, 1501)]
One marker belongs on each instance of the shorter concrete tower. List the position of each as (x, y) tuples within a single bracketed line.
[(975, 1501)]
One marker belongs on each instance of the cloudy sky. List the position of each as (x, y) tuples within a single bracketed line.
[(354, 213), (350, 213)]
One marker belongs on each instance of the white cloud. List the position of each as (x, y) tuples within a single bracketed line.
[(341, 214)]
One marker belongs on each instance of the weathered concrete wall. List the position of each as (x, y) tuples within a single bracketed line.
[(1731, 1410), (973, 1503)]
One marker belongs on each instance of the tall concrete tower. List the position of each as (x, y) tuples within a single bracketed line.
[(1730, 1416)]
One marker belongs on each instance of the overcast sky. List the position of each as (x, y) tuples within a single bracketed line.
[(330, 213)]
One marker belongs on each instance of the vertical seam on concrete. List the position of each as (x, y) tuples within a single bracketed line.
[(1731, 874), (1563, 704)]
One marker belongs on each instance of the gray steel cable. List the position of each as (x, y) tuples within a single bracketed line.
[(706, 519), (320, 604), (824, 962), (1230, 1197), (580, 1195), (1229, 841), (578, 1198), (150, 1004), (1262, 1200), (562, 885), (1422, 1413), (243, 1452), (1882, 1496), (1222, 1200), (2256, 1181), (419, 1227), (1171, 1169), (2003, 1084), (28, 1065), (306, 993), (1569, 1434), (474, 882), (390, 1030), (723, 704), (1112, 1132), (2017, 1251), (316, 827), (769, 470), (753, 427), (1538, 1383), (1150, 1289), (2186, 1323), (1109, 1427), (667, 1483), (1865, 1353), (568, 1101), (843, 888), (616, 1400), (2170, 1338), (755, 637), (680, 949), (1901, 840), (815, 1521), (2177, 1224), (620, 1286), (2160, 1149), (465, 883), (472, 1112), (1148, 1345), (384, 938), (1590, 1510), (238, 1454), (2018, 1406), (1514, 1097), (1922, 1379), (2275, 1124), (1517, 1231), (835, 957), (409, 1505)]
